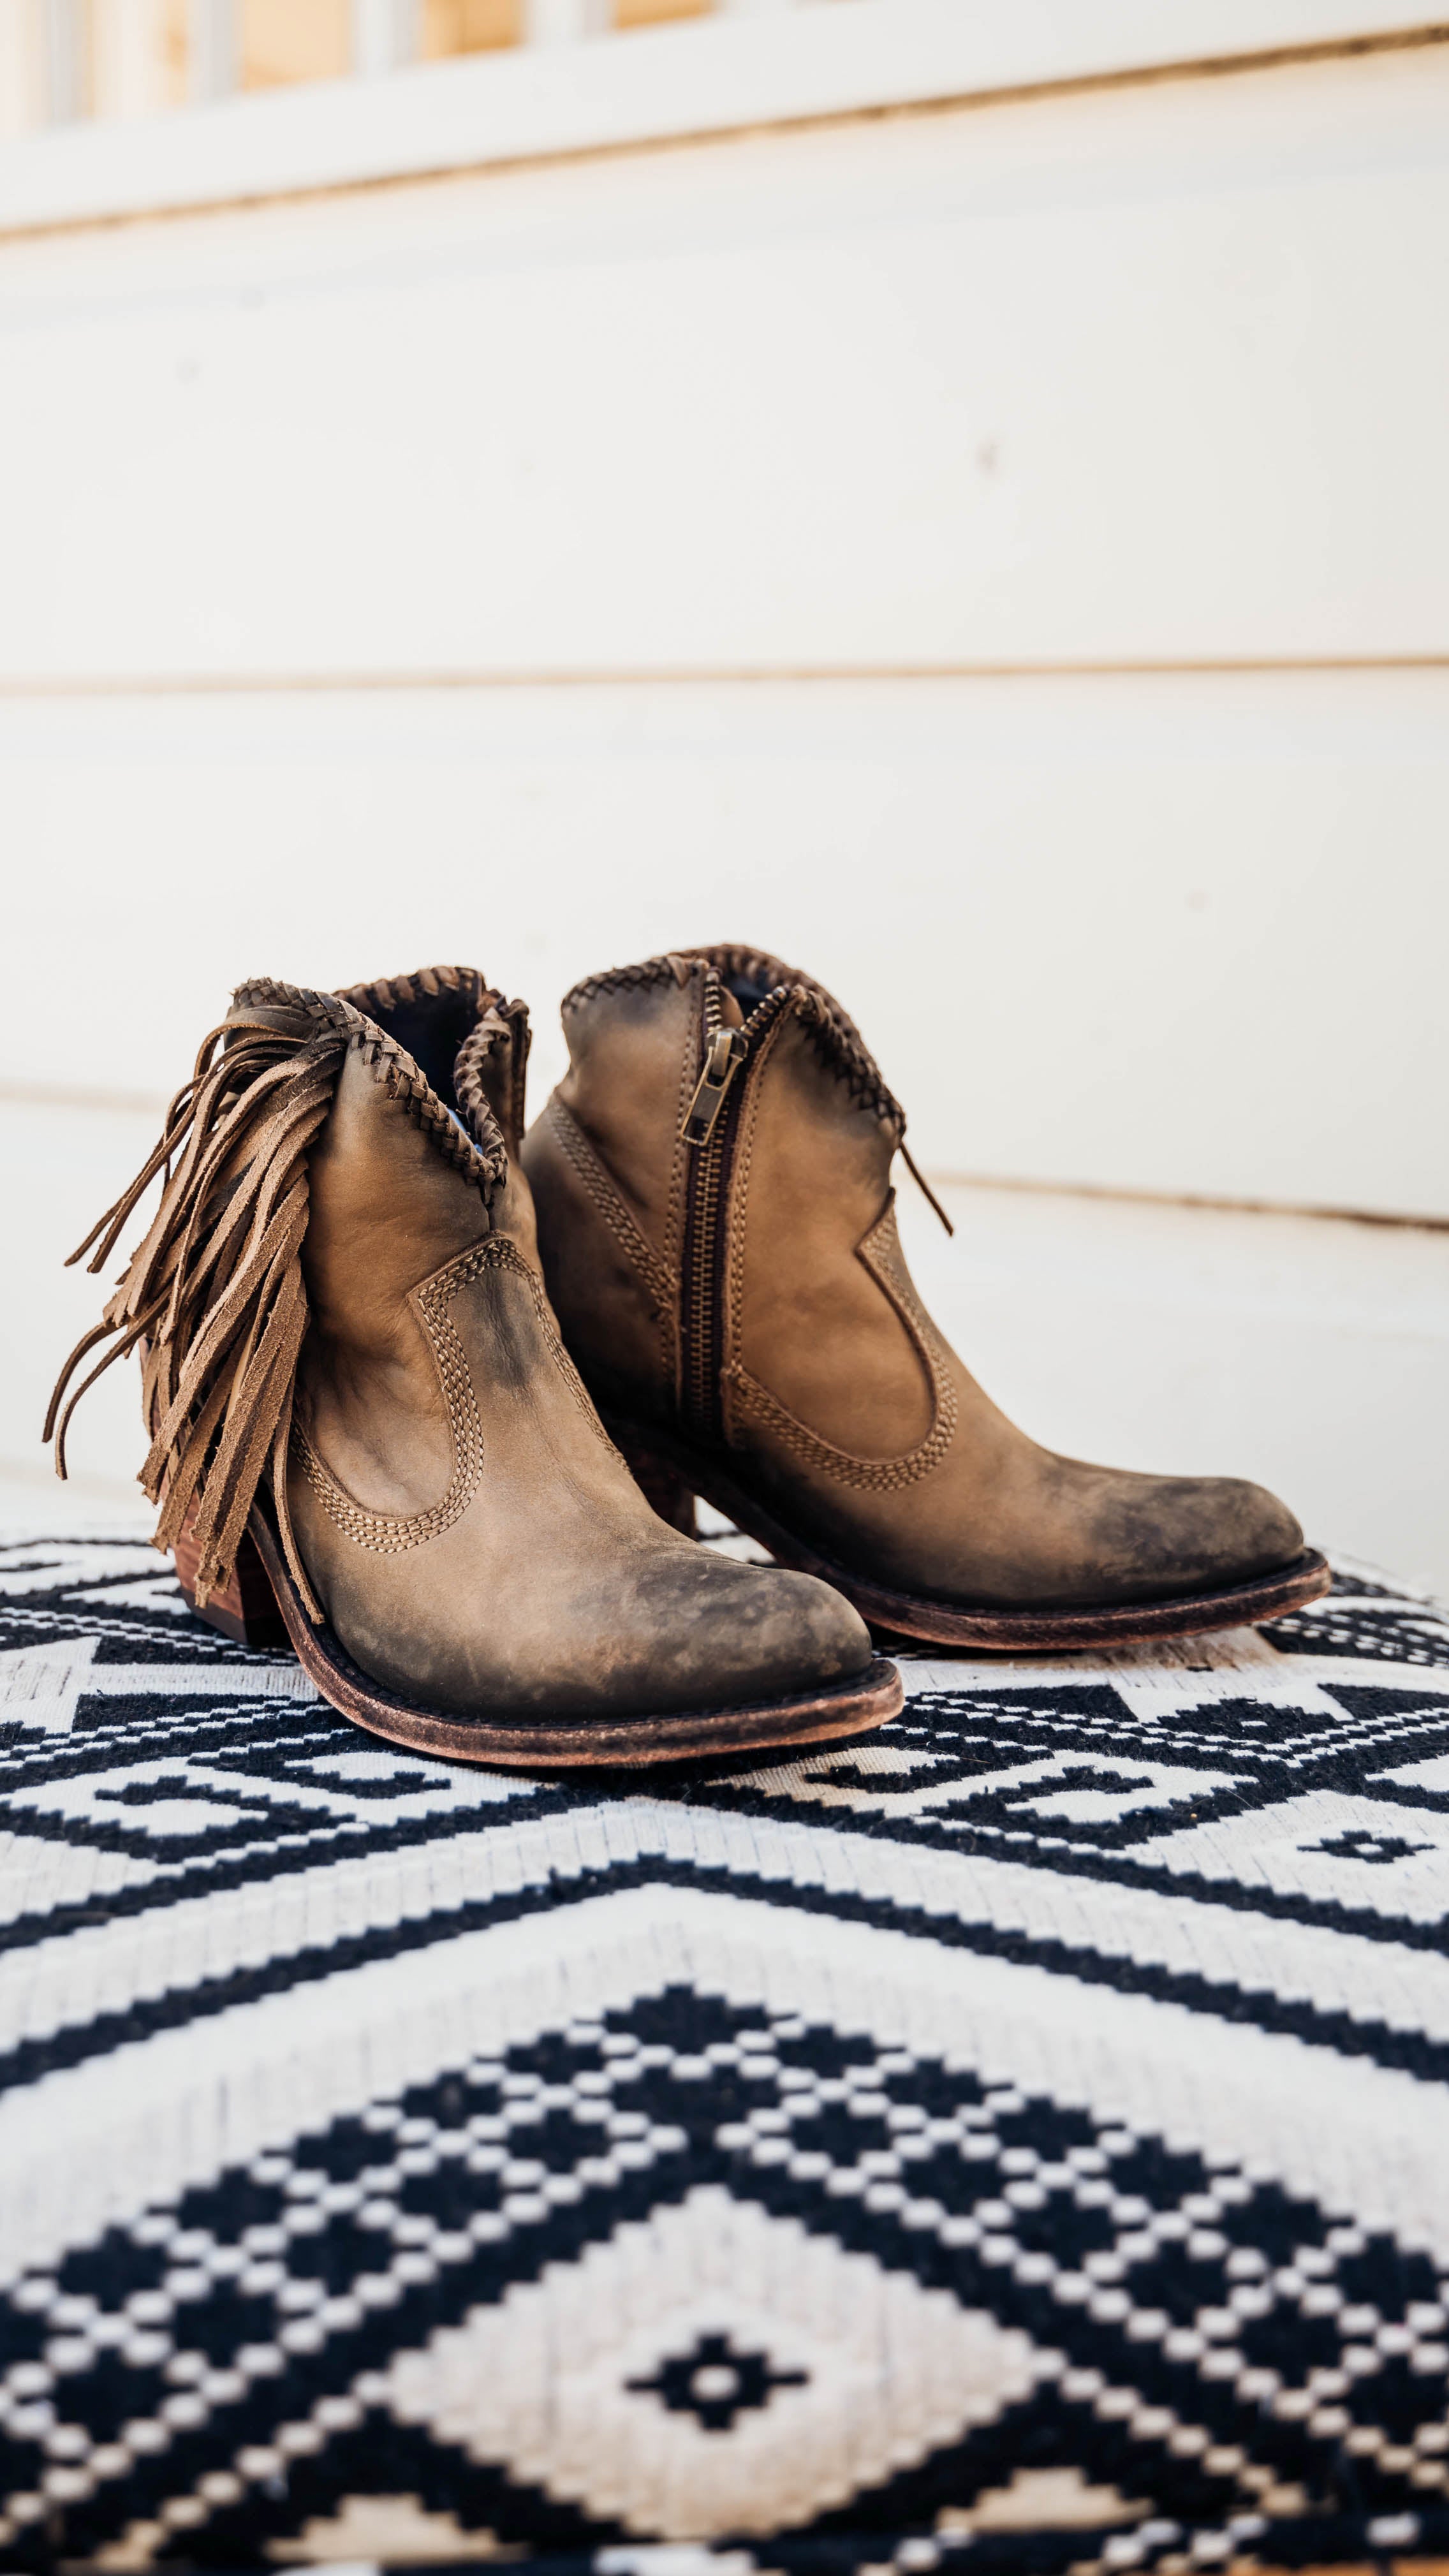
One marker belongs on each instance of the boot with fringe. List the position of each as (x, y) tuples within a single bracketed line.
[(365, 1432)]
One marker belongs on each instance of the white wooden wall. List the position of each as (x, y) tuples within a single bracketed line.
[(997, 555)]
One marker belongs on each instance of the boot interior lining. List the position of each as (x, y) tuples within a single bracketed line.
[(432, 1029), (747, 992)]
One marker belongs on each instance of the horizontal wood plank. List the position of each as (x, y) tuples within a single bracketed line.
[(1136, 377), (1167, 934), (722, 74)]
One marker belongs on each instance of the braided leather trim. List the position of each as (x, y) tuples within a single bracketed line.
[(385, 1533), (395, 992), (875, 1475), (501, 1024), (484, 1164), (834, 1034), (619, 979), (661, 1281)]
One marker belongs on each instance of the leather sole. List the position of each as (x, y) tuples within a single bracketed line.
[(263, 1607), (669, 1471)]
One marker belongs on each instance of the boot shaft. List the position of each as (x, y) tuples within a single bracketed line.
[(419, 1156), (399, 1180), (317, 1184), (713, 1187)]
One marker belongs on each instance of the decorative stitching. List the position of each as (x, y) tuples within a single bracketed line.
[(501, 1024), (619, 979), (671, 1329), (673, 970), (877, 1475), (498, 1023), (511, 1258), (485, 1164), (737, 1211), (833, 1032), (395, 992), (386, 1533), (662, 1282)]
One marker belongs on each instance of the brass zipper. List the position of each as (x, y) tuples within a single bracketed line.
[(727, 1052), (709, 1128)]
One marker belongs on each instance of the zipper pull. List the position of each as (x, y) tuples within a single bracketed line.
[(727, 1053)]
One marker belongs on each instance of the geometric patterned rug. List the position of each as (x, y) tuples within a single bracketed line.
[(1019, 2141)]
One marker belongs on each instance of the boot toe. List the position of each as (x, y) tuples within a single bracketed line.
[(818, 1635), (747, 1633), (1182, 1535), (1250, 1532)]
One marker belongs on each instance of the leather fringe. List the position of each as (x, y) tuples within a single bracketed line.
[(923, 1185), (213, 1298)]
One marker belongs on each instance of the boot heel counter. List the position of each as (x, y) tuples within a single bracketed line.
[(663, 1487), (615, 1296)]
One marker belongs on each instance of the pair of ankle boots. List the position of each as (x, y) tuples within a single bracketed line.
[(433, 1397)]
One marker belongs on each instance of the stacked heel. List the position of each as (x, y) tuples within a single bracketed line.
[(246, 1610)]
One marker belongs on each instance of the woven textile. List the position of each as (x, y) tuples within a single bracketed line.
[(1019, 2140)]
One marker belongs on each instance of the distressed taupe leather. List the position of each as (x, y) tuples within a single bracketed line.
[(712, 1181), (446, 1496)]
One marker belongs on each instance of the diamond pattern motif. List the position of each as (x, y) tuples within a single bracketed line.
[(1041, 2102)]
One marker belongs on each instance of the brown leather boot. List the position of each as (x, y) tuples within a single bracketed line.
[(359, 1405), (712, 1183)]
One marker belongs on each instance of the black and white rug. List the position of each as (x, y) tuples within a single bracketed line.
[(1021, 2142)]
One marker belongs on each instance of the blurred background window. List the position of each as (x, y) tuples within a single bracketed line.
[(648, 13), (293, 40), (172, 50), (64, 61), (468, 27)]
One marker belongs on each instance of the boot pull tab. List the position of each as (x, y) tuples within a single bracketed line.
[(924, 1186), (727, 1052)]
